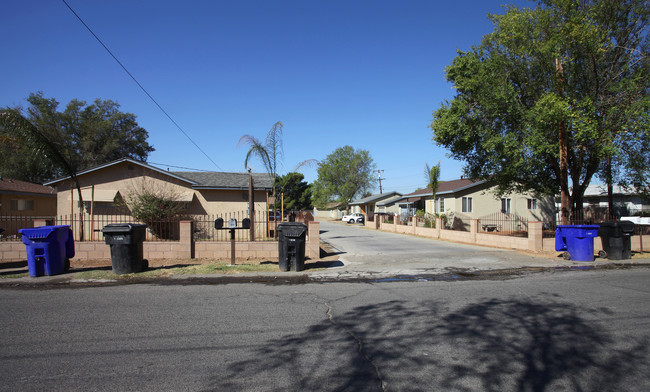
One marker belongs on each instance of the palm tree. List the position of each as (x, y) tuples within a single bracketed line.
[(432, 176), (42, 145), (270, 152)]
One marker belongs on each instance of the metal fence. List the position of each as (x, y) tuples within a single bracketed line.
[(10, 224), (167, 230), (501, 223), (459, 222), (204, 227)]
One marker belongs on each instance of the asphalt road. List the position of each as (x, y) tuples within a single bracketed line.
[(367, 252), (552, 331)]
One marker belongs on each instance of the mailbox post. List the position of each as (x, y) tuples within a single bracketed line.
[(232, 226)]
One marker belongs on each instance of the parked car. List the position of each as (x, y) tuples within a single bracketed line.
[(352, 218)]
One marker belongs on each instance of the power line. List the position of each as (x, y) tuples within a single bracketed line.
[(139, 85)]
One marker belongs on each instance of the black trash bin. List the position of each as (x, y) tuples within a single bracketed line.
[(125, 240), (615, 237), (291, 246)]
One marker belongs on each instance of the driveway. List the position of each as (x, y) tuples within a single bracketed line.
[(365, 251)]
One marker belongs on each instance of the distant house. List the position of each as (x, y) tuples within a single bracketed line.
[(21, 202), (104, 186), (26, 199), (330, 211), (372, 204), (627, 201), (476, 199)]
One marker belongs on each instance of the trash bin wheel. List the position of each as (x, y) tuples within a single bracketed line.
[(66, 265), (602, 254), (145, 264), (566, 256)]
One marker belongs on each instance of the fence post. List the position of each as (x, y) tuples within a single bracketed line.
[(438, 227), (414, 220), (473, 229), (535, 236), (313, 244), (186, 239)]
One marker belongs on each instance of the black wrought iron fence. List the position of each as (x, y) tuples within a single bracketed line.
[(10, 224), (587, 216), (457, 221), (204, 227), (504, 224)]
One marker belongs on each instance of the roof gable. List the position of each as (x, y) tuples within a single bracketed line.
[(446, 187)]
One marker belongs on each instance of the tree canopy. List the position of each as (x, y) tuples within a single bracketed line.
[(343, 175), (296, 191), (85, 136), (554, 93)]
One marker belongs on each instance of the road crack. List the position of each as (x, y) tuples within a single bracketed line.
[(360, 347)]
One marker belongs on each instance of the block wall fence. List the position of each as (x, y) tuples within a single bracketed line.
[(184, 248), (535, 242)]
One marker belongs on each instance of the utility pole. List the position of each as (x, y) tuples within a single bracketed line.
[(379, 174)]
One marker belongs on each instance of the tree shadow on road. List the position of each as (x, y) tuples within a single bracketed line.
[(491, 345)]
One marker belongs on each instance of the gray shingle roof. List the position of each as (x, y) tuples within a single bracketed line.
[(218, 180)]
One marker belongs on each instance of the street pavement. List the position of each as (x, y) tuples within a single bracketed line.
[(353, 252)]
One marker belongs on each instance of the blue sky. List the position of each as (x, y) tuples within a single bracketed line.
[(367, 74)]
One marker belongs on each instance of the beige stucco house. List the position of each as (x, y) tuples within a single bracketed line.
[(476, 199), (378, 203), (21, 202), (203, 193)]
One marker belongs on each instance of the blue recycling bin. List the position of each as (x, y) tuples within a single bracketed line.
[(577, 241), (49, 249)]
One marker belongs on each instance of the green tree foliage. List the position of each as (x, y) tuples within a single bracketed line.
[(85, 135), (297, 192), (432, 176), (343, 175), (577, 65)]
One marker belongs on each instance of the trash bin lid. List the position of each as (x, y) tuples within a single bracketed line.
[(292, 229), (123, 227), (625, 226), (41, 232)]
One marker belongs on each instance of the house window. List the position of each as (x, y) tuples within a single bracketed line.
[(467, 204), (532, 204), (22, 205), (505, 205), (442, 205)]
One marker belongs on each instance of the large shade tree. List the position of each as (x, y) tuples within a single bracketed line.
[(85, 135), (344, 175), (554, 96), (44, 143)]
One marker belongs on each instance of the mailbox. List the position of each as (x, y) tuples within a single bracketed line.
[(246, 223), (218, 223), (232, 223)]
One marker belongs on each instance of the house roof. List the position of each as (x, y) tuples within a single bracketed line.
[(219, 180), (197, 180), (376, 197), (390, 200), (446, 187), (8, 185), (129, 160), (601, 190)]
